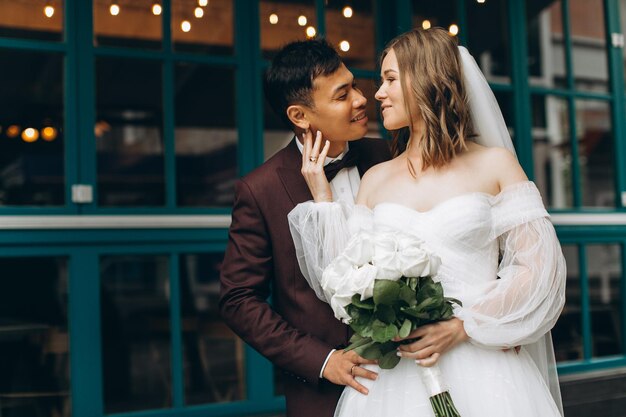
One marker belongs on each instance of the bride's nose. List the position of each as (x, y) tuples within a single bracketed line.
[(380, 94)]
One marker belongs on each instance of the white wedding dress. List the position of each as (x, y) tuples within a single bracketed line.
[(501, 258)]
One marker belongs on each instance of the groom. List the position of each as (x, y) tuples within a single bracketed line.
[(310, 89)]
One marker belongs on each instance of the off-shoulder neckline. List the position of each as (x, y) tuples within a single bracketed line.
[(491, 197)]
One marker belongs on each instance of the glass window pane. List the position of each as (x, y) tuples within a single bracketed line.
[(204, 29), (604, 271), (34, 340), (505, 101), (596, 153), (488, 39), (134, 298), (213, 362), (427, 14), (127, 23), (622, 14), (368, 88), (546, 55), (37, 19), (32, 148), (276, 134), (283, 22), (129, 132), (351, 29), (567, 333), (589, 45), (552, 151), (206, 135)]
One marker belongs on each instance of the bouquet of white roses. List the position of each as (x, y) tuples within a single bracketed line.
[(382, 286)]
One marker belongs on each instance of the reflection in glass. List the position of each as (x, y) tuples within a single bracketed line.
[(129, 132), (427, 14), (279, 23), (552, 151), (206, 135), (276, 134), (135, 327), (34, 340), (589, 55), (567, 333), (32, 148), (546, 56), (596, 153), (604, 272), (32, 19), (203, 29), (488, 39), (213, 355), (127, 23), (352, 32)]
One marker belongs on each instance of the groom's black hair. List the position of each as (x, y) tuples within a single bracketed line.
[(289, 80)]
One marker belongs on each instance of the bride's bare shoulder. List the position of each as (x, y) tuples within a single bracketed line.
[(499, 164), (374, 178)]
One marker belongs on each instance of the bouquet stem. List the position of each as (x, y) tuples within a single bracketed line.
[(440, 398)]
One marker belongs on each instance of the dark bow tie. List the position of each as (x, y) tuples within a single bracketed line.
[(349, 160)]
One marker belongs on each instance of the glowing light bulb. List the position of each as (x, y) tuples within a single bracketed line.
[(203, 3), (480, 1), (185, 26), (426, 24), (273, 18), (198, 12), (347, 12), (30, 135), (310, 31), (344, 46), (156, 9), (48, 11), (302, 20), (48, 133), (454, 29), (13, 131), (114, 9)]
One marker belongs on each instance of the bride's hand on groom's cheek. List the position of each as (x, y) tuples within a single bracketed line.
[(433, 340), (342, 368)]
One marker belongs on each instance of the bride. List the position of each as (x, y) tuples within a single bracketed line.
[(456, 184)]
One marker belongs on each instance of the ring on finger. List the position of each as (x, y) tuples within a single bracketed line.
[(313, 159), (352, 369)]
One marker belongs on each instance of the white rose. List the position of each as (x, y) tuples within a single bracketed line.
[(359, 249), (414, 260), (386, 256)]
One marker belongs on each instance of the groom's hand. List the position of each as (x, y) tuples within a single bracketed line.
[(342, 368)]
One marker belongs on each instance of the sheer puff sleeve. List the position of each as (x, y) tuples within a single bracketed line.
[(320, 232), (525, 302)]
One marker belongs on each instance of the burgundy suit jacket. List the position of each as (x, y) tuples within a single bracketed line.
[(297, 331)]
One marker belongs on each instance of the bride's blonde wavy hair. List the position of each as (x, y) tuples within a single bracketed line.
[(432, 85)]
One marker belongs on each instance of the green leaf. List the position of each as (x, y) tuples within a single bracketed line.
[(383, 332), (389, 360), (371, 352), (367, 304), (385, 313), (386, 292), (358, 342), (405, 329), (407, 295), (414, 312)]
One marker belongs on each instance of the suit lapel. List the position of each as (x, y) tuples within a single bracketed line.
[(291, 177)]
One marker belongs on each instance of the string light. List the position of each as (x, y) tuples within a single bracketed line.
[(13, 131), (454, 29), (30, 135), (426, 24), (198, 12), (347, 12), (273, 18), (203, 3), (302, 20), (344, 46), (48, 10), (48, 133), (185, 26), (480, 1), (157, 9), (310, 31), (114, 9)]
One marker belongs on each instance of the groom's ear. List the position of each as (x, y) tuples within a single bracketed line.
[(297, 115)]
